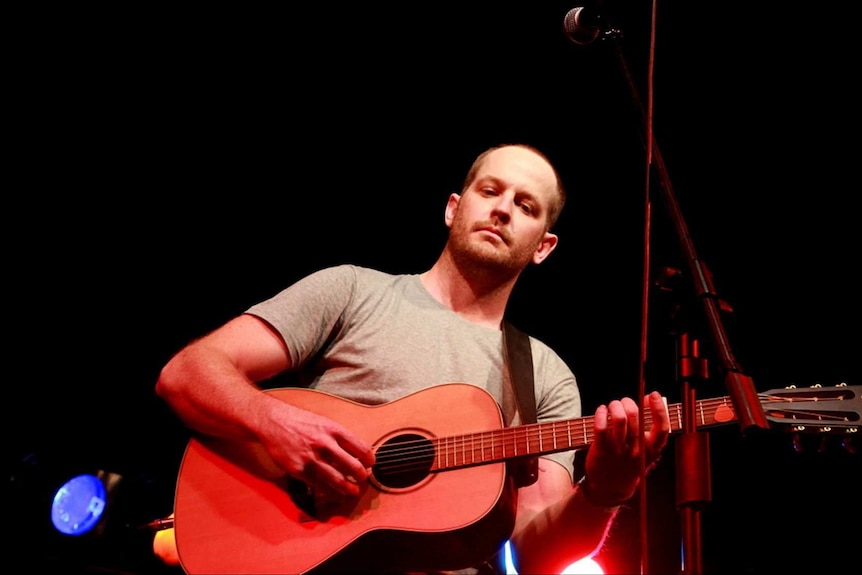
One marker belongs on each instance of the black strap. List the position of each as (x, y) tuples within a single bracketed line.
[(520, 360), (520, 357)]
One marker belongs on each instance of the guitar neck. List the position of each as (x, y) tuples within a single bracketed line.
[(554, 436), (814, 409)]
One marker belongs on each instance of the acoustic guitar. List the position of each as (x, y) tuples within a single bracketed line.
[(440, 482)]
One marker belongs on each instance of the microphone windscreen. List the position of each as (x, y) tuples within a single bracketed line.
[(580, 28)]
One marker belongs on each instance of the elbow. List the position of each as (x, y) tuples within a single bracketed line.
[(169, 380), (162, 386)]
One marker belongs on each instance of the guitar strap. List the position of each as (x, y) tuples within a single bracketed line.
[(520, 362)]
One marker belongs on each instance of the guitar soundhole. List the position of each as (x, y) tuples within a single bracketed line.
[(403, 460)]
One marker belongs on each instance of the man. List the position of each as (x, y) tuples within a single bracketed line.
[(372, 337)]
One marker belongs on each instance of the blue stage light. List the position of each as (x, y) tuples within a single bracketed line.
[(79, 504)]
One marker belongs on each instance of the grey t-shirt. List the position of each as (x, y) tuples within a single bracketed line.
[(372, 337)]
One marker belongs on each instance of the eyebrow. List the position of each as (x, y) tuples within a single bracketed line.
[(518, 191)]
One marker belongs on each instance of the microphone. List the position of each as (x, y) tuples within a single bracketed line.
[(582, 25)]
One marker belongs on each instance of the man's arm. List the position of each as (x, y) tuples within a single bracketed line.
[(555, 525), (211, 384), (558, 523)]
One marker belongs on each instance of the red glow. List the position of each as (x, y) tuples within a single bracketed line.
[(585, 566)]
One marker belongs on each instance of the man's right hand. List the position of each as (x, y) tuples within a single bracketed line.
[(327, 456)]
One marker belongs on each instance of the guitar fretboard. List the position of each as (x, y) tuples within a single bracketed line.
[(825, 409)]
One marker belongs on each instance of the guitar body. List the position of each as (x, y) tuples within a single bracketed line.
[(235, 514)]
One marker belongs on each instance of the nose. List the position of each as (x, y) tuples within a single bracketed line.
[(502, 207)]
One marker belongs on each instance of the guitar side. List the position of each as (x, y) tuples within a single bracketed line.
[(235, 513)]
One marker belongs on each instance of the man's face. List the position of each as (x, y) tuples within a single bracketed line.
[(500, 221)]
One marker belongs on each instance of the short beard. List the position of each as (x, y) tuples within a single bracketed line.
[(479, 258)]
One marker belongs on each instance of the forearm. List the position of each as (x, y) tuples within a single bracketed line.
[(570, 529), (211, 396)]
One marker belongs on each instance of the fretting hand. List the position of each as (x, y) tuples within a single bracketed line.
[(612, 468)]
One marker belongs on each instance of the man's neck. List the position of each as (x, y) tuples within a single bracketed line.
[(479, 296)]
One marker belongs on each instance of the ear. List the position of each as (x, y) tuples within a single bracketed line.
[(451, 208), (545, 247)]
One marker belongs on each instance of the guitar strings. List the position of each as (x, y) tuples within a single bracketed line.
[(483, 447)]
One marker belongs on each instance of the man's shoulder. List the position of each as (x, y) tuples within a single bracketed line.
[(373, 276), (365, 281), (351, 272), (361, 271)]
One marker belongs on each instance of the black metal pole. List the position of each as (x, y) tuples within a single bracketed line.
[(693, 466)]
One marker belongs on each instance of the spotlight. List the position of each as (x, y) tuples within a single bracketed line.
[(79, 505), (585, 566), (88, 519)]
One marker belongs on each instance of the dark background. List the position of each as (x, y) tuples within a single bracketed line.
[(171, 167)]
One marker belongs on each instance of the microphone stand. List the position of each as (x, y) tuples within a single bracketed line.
[(693, 469)]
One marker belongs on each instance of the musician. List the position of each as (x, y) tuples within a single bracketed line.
[(373, 337)]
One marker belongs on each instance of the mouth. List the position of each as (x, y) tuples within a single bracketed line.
[(493, 231)]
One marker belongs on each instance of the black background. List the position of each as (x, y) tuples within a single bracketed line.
[(171, 167)]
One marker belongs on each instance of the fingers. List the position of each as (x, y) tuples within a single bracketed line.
[(617, 425), (333, 476), (659, 429), (344, 464), (327, 479), (660, 416), (361, 452)]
